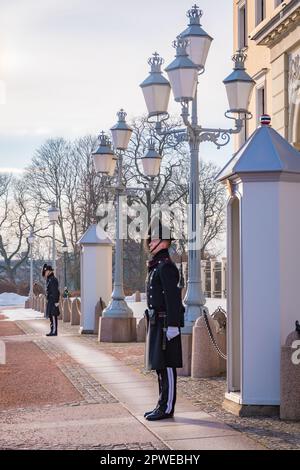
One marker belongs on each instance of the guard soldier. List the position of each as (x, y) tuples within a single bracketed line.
[(52, 311), (164, 319)]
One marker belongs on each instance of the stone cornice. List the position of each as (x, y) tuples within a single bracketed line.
[(272, 31)]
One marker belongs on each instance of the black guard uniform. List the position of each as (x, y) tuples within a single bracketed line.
[(165, 310)]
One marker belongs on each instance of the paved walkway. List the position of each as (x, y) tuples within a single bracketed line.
[(108, 414)]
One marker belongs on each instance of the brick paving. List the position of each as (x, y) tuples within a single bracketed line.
[(89, 388), (8, 328), (208, 395), (67, 427), (29, 378), (39, 444), (95, 420)]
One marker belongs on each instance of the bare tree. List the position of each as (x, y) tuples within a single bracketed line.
[(171, 188), (15, 223), (64, 172)]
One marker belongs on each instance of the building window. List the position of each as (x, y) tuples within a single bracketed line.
[(242, 26), (260, 102), (260, 11), (277, 3)]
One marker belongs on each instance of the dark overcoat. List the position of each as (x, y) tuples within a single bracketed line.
[(163, 295), (52, 296)]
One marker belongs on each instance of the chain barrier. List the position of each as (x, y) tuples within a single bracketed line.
[(211, 336)]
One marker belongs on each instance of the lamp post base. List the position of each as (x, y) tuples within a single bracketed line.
[(186, 343), (192, 313), (117, 308), (29, 303), (117, 330)]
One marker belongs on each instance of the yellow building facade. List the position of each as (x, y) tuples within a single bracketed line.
[(269, 31)]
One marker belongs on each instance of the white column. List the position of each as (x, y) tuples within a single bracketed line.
[(203, 275), (212, 277), (223, 278)]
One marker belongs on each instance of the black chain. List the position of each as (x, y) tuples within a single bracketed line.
[(211, 336)]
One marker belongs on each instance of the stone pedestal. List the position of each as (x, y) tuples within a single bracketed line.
[(75, 314), (141, 330), (95, 274), (290, 378), (61, 303), (66, 310), (117, 330), (186, 342), (137, 296), (100, 306), (205, 359), (41, 303), (235, 407), (44, 304)]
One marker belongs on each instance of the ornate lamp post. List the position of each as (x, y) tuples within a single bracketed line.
[(31, 239), (192, 48), (105, 161), (65, 252), (53, 214)]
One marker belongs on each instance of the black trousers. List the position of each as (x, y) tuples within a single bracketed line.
[(167, 381), (53, 324)]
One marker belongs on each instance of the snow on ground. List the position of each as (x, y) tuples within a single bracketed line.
[(139, 307), (22, 314), (213, 304), (8, 299)]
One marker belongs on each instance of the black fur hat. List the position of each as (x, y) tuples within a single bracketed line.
[(158, 231), (46, 267)]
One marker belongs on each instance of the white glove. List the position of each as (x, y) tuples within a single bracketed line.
[(56, 305), (172, 332)]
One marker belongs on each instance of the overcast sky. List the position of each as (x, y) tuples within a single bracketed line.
[(67, 66)]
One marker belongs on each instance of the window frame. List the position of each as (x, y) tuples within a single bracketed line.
[(260, 11), (242, 28)]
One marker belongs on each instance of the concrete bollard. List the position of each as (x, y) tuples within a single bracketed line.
[(66, 310), (290, 378), (100, 306), (220, 321), (205, 359), (141, 330), (79, 306), (61, 304), (44, 304), (186, 342), (41, 302), (75, 312), (117, 330)]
